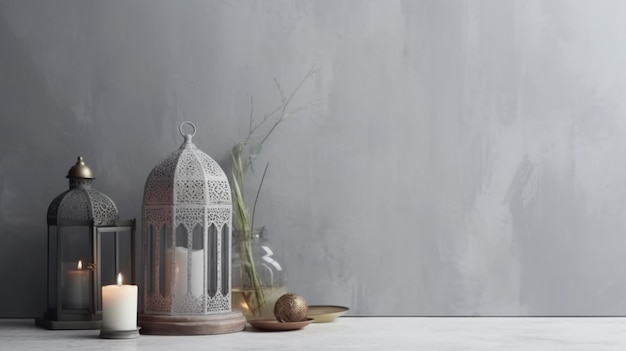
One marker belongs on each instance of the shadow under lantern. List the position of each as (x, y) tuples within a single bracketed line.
[(187, 215), (87, 246)]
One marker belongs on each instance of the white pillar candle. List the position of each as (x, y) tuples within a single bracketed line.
[(181, 262), (76, 288), (119, 306)]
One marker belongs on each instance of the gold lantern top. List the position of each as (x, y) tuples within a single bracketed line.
[(80, 170), (81, 204)]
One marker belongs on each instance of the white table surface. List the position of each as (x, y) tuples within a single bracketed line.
[(354, 333)]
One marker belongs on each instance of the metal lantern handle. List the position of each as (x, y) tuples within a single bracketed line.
[(187, 123)]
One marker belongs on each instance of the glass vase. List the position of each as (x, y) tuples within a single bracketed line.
[(258, 276)]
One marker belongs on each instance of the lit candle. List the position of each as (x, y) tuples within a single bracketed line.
[(119, 306), (76, 288)]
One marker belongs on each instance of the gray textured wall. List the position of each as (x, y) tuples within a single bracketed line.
[(453, 157)]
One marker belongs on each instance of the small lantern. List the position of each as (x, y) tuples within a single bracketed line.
[(87, 246), (187, 214)]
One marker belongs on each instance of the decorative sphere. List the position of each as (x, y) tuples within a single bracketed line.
[(291, 308)]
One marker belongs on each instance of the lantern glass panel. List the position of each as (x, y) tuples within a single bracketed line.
[(213, 259), (188, 262), (149, 256), (107, 271), (165, 258), (197, 253), (52, 267), (76, 256), (226, 247), (115, 245), (115, 257), (158, 273)]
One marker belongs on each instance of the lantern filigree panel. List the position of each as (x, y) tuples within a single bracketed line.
[(188, 273)]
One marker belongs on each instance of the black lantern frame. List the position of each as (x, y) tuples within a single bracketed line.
[(87, 246)]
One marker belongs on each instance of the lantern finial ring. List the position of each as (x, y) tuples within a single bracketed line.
[(187, 123)]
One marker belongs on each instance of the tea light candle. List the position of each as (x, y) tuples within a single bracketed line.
[(119, 306)]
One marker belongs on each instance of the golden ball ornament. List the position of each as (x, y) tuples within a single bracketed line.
[(291, 308)]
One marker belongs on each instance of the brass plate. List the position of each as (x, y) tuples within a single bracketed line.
[(274, 325), (325, 314)]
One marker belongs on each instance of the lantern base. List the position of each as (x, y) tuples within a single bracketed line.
[(67, 325), (221, 323)]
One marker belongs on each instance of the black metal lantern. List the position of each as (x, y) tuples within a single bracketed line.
[(87, 246)]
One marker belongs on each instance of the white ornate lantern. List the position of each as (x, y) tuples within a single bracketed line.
[(187, 214)]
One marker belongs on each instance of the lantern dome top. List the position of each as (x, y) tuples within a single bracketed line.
[(80, 170), (81, 204), (187, 176)]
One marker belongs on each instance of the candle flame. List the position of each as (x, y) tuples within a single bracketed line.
[(80, 264), (119, 279)]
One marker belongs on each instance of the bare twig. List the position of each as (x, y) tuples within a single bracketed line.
[(243, 155), (257, 194)]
